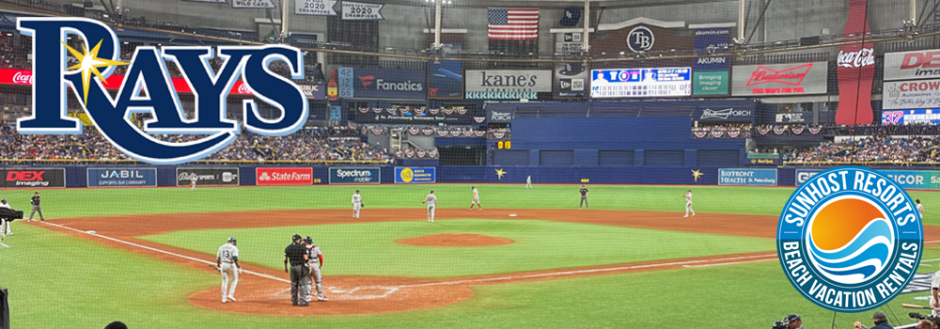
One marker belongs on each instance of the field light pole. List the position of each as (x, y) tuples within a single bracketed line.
[(285, 14), (913, 12), (437, 24), (587, 27), (741, 14)]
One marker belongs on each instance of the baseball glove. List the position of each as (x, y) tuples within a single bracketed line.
[(362, 205)]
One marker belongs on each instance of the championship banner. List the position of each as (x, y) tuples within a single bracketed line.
[(283, 176), (780, 79), (754, 177), (33, 178), (413, 175), (570, 79), (314, 7), (122, 177), (507, 84), (367, 175), (362, 11), (919, 64), (207, 176), (911, 94), (252, 4)]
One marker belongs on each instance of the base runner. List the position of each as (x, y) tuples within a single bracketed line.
[(476, 198), (356, 203), (315, 262), (227, 262), (431, 200), (688, 204)]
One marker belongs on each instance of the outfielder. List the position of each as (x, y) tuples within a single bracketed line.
[(315, 262), (6, 230), (225, 258), (920, 208), (35, 202), (528, 181), (476, 198), (431, 200), (192, 182), (688, 204), (356, 203)]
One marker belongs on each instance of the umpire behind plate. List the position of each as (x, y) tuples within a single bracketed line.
[(296, 254)]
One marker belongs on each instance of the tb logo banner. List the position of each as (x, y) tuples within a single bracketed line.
[(850, 239), (100, 56)]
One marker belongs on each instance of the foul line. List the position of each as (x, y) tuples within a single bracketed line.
[(6, 246)]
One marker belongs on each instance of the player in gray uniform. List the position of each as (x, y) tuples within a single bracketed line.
[(315, 262), (431, 200), (226, 260)]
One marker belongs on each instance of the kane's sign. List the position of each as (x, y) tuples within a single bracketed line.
[(53, 81)]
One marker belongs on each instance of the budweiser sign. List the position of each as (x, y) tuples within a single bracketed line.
[(791, 76), (854, 59), (779, 79)]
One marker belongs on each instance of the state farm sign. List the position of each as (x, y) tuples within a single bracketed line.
[(283, 176), (911, 94), (779, 79), (920, 64)]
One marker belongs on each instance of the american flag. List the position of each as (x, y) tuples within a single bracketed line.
[(514, 23)]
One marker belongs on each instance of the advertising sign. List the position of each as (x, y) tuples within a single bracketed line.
[(723, 114), (350, 175), (911, 94), (856, 69), (283, 176), (710, 82), (412, 175), (507, 84), (207, 176), (569, 43), (919, 116), (570, 79), (755, 177), (803, 175), (252, 4), (657, 82), (33, 178), (779, 79), (315, 7), (122, 177), (389, 83), (915, 179), (362, 11), (498, 116), (445, 78), (919, 64), (314, 91), (711, 41)]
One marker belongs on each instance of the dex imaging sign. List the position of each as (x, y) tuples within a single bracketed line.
[(53, 81), (920, 64)]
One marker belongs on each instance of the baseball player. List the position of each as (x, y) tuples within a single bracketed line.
[(920, 208), (315, 262), (192, 183), (934, 290), (688, 204), (356, 203), (528, 181), (476, 198), (5, 231), (584, 193), (431, 200), (224, 259), (35, 202)]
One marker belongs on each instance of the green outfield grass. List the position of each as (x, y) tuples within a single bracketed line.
[(370, 248)]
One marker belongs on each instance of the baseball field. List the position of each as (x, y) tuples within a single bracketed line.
[(530, 259)]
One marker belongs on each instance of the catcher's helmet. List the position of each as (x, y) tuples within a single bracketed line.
[(308, 240), (232, 239), (295, 237)]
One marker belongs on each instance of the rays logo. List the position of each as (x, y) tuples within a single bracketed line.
[(147, 72), (849, 239)]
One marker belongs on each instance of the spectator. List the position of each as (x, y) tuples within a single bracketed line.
[(880, 319), (795, 321)]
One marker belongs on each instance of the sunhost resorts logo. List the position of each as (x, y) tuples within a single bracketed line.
[(849, 239), (147, 72)]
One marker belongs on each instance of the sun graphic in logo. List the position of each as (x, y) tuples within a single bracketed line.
[(88, 64), (850, 240), (696, 174), (500, 172)]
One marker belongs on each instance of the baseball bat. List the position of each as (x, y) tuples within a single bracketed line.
[(915, 306)]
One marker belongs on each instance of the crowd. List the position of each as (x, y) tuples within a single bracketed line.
[(312, 144), (879, 147)]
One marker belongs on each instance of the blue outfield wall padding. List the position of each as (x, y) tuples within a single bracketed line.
[(459, 141)]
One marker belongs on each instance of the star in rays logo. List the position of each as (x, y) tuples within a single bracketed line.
[(500, 172), (696, 174), (88, 64)]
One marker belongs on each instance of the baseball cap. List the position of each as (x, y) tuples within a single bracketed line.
[(232, 239), (295, 237), (793, 317), (308, 240), (879, 316)]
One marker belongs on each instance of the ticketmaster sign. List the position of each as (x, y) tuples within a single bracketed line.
[(507, 84)]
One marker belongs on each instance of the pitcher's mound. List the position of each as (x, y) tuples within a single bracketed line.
[(455, 240)]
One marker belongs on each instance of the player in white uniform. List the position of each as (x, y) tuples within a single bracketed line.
[(920, 209), (431, 200), (934, 290), (688, 204), (192, 182), (356, 203), (227, 261), (528, 181), (5, 230), (315, 262), (476, 198)]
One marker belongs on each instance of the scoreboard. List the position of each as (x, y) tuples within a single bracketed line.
[(636, 83)]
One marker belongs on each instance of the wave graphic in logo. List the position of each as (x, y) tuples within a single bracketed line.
[(850, 240)]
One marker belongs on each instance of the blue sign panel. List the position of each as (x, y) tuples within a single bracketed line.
[(918, 116), (410, 175), (756, 177), (389, 83), (346, 80), (711, 41), (633, 83), (908, 179), (122, 177), (803, 175), (350, 175)]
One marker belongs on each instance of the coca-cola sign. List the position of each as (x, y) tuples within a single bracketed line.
[(861, 58), (23, 78), (779, 79), (856, 69)]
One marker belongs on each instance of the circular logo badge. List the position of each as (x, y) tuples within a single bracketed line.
[(640, 39), (407, 175), (849, 239)]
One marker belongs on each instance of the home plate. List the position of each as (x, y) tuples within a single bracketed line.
[(512, 215)]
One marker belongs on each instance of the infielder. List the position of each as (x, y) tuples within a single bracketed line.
[(192, 183), (476, 198), (920, 208), (5, 231), (35, 202), (224, 259), (584, 193), (315, 262), (528, 181), (688, 204), (356, 203), (431, 200)]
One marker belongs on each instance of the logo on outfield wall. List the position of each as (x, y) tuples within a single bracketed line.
[(98, 60), (849, 239), (641, 39)]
